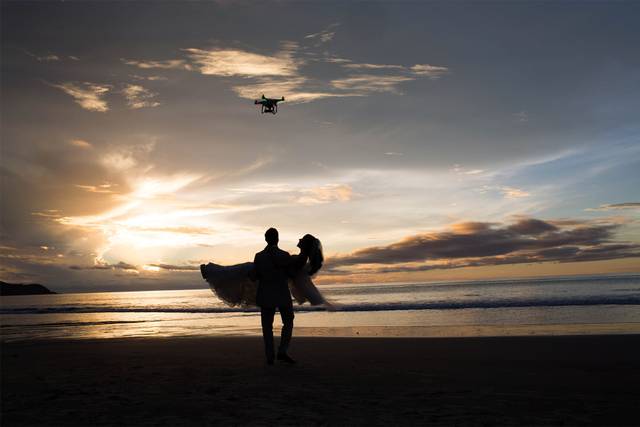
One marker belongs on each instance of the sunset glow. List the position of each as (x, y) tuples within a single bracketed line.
[(124, 158)]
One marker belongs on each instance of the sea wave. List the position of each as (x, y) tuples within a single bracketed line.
[(430, 305)]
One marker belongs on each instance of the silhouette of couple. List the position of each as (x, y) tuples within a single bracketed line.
[(269, 282)]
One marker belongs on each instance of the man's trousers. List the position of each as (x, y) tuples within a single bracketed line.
[(266, 316)]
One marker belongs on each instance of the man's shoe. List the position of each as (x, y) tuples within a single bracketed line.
[(285, 358)]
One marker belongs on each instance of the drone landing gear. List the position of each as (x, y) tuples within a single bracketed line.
[(272, 110)]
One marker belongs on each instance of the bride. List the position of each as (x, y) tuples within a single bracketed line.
[(233, 286)]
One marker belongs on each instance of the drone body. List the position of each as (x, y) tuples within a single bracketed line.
[(268, 105)]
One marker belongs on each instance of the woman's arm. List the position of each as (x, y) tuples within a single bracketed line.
[(298, 261)]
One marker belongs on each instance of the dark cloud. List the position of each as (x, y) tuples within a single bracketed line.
[(472, 244), (119, 266), (176, 267), (532, 227), (617, 206)]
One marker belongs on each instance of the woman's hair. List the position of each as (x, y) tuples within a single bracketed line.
[(314, 250)]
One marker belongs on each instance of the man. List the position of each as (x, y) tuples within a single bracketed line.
[(270, 268)]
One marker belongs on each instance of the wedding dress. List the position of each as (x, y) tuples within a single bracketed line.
[(232, 285)]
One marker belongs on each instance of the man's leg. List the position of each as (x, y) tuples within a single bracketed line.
[(266, 318), (286, 313)]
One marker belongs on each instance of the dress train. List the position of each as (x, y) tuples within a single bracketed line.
[(232, 285)]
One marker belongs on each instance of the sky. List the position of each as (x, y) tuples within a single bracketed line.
[(417, 141)]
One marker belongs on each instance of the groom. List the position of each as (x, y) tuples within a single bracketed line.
[(270, 268)]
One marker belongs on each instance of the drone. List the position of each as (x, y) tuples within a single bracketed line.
[(268, 105)]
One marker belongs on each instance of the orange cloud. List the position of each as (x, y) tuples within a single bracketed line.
[(474, 244)]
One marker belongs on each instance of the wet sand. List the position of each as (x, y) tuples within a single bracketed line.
[(570, 380)]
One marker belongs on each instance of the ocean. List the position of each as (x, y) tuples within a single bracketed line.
[(541, 306)]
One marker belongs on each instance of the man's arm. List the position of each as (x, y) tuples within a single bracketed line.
[(293, 262)]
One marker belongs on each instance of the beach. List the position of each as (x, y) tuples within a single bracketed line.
[(543, 380)]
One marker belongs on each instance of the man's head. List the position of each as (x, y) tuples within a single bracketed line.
[(271, 236)]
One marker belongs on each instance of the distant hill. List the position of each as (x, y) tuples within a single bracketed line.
[(18, 289)]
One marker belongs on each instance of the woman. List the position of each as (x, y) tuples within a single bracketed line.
[(233, 286)]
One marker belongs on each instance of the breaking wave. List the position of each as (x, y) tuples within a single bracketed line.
[(431, 305)]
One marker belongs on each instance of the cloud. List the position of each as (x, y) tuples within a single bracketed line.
[(105, 266), (235, 62), (528, 240), (458, 169), (514, 193), (265, 189), (42, 58), (281, 73), (521, 116), (287, 193), (80, 143), (48, 58), (506, 191), (356, 66), (616, 206), (323, 36), (430, 71), (532, 227), (270, 87), (336, 60), (139, 97), (47, 213), (252, 167), (367, 83), (291, 89), (102, 188), (176, 267), (227, 62), (326, 194), (88, 95), (168, 64), (119, 161), (150, 78), (176, 230), (126, 157)]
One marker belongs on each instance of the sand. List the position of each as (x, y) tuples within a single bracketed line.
[(579, 380)]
